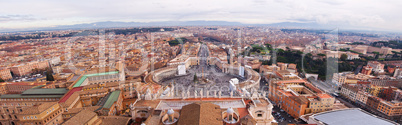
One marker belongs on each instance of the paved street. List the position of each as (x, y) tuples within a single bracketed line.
[(346, 103), (276, 110), (287, 119), (203, 70), (327, 87)]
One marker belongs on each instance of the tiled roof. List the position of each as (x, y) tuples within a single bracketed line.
[(200, 114), (38, 109), (69, 93), (81, 118), (112, 84), (77, 110), (93, 91), (324, 96), (114, 120), (146, 103), (70, 100)]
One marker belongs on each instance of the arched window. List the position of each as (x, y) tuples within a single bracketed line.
[(259, 113)]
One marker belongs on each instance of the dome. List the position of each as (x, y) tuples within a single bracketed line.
[(170, 111), (230, 110)]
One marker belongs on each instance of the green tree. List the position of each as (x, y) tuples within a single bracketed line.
[(344, 57), (395, 54), (376, 54), (320, 54), (1, 80), (195, 78), (49, 75)]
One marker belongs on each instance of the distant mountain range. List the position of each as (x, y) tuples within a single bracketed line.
[(111, 24)]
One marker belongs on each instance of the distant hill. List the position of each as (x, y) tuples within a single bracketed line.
[(112, 24)]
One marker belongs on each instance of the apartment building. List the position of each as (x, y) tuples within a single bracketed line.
[(298, 97), (5, 73), (46, 113), (18, 87), (25, 69), (367, 70), (370, 98), (22, 69), (13, 106), (377, 66)]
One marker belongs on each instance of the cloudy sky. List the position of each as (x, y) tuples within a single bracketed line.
[(365, 14)]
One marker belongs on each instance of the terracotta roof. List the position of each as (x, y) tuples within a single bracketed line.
[(300, 99), (93, 91), (261, 102), (292, 81), (70, 100), (146, 103), (200, 114), (112, 84), (91, 86), (77, 110), (115, 120), (38, 109), (248, 120), (324, 96), (69, 93), (81, 118)]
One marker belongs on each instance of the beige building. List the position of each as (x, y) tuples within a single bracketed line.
[(46, 113), (5, 73), (85, 117), (25, 69), (377, 66)]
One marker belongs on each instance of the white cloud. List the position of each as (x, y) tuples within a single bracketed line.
[(380, 14)]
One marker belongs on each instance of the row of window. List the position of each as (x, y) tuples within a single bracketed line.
[(32, 117), (41, 99)]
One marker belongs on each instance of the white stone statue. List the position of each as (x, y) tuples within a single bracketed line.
[(207, 93), (201, 93)]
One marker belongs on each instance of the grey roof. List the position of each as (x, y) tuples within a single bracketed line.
[(351, 117), (41, 91), (75, 77), (16, 96)]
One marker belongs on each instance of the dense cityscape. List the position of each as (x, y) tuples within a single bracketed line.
[(200, 75), (209, 62)]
